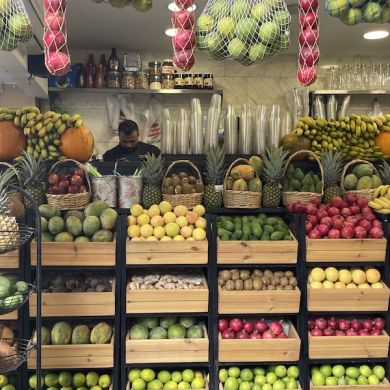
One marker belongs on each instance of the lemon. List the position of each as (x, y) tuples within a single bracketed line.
[(143, 219), (146, 230), (159, 232), (169, 217), (136, 210), (133, 231), (199, 234)]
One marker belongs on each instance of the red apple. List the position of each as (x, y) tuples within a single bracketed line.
[(76, 180)]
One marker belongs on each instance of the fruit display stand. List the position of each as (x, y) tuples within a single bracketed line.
[(385, 385)]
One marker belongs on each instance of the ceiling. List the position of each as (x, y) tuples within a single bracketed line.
[(100, 26)]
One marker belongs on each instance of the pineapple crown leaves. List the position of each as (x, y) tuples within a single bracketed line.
[(8, 177), (152, 169), (4, 208), (332, 164), (32, 170), (384, 171), (215, 165), (274, 161)]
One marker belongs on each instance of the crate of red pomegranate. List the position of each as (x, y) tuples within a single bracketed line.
[(355, 232), (342, 289), (341, 338), (253, 340)]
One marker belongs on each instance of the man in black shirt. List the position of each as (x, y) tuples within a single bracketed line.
[(129, 148)]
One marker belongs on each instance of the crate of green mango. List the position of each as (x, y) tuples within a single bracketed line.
[(255, 239)]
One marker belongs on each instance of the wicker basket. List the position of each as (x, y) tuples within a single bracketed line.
[(70, 201), (188, 200), (302, 197), (367, 194), (240, 199), (14, 195)]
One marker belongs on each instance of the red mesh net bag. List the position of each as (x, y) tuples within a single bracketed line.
[(309, 51), (184, 40), (57, 58)]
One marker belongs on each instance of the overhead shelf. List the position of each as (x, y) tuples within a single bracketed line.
[(352, 92)]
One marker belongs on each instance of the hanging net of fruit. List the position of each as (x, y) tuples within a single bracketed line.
[(57, 59), (352, 12), (139, 5), (244, 30), (15, 25), (184, 40), (309, 51)]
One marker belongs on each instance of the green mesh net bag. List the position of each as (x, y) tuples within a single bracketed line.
[(243, 30), (15, 25), (352, 12)]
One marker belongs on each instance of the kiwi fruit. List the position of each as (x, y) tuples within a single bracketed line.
[(182, 175), (225, 275), (268, 272), (244, 275), (257, 273), (178, 190), (199, 186), (239, 285), (248, 285), (230, 286), (167, 182), (184, 180), (191, 179), (187, 189), (170, 190), (175, 181), (235, 275)]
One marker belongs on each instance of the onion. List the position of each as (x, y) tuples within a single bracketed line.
[(242, 335), (184, 59), (261, 326), (235, 325), (307, 5), (276, 328), (364, 332), (268, 335), (376, 332), (368, 324), (333, 323), (321, 323), (311, 324), (329, 331), (248, 326), (344, 324), (316, 332), (356, 325), (379, 323), (351, 332), (255, 336), (282, 336), (340, 333), (184, 39), (228, 334), (308, 20), (222, 325)]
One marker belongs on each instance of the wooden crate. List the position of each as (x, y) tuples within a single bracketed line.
[(382, 386), (76, 253), (9, 260), (75, 304), (13, 316), (257, 252), (168, 301), (167, 351), (166, 252), (299, 386), (341, 347), (345, 250), (263, 301), (78, 356), (348, 299), (206, 388), (274, 350)]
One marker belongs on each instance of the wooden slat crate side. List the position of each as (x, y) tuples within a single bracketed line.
[(184, 247), (344, 256), (382, 386), (74, 362), (167, 307), (9, 260), (166, 258), (346, 245), (13, 316), (221, 386), (262, 295), (167, 295)]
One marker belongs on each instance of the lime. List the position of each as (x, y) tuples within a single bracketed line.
[(164, 376), (51, 380), (92, 379), (352, 372), (12, 387), (331, 381), (232, 383), (365, 370), (362, 380), (245, 386), (78, 379), (373, 380), (267, 386), (32, 382), (292, 384), (92, 388), (351, 382)]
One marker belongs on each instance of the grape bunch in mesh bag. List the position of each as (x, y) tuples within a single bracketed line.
[(243, 30), (352, 12), (15, 25), (57, 58)]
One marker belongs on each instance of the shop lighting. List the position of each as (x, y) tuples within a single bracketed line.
[(174, 8), (171, 32), (379, 34)]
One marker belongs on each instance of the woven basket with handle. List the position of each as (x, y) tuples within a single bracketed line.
[(240, 199), (188, 200), (367, 193), (70, 201), (290, 197), (15, 194)]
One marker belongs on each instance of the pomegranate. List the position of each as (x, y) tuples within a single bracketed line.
[(365, 224), (308, 5), (314, 234), (346, 212), (362, 202), (223, 325), (312, 219), (364, 332), (321, 213), (323, 229), (360, 232), (316, 201), (282, 336), (337, 202), (334, 234), (321, 323), (228, 334), (376, 223), (337, 222), (235, 325), (248, 326), (276, 328), (351, 332), (326, 221), (344, 324), (355, 209), (376, 332), (242, 335), (347, 231), (352, 220), (311, 209), (316, 332), (379, 323), (333, 211), (340, 333), (376, 232), (308, 226), (261, 326), (351, 198), (268, 335), (323, 207)]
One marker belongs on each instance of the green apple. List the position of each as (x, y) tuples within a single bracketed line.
[(188, 375), (268, 32), (218, 9), (5, 6), (246, 29), (78, 379), (351, 382), (246, 374), (352, 372), (282, 18), (271, 378), (237, 48), (239, 9), (170, 385), (336, 7), (205, 23), (260, 379), (338, 370), (147, 375), (281, 371), (19, 25), (52, 380), (164, 376), (267, 386), (256, 386), (155, 384), (352, 17), (234, 371), (260, 12), (134, 374), (225, 26), (223, 375), (314, 369), (12, 387), (292, 384), (201, 41), (331, 381), (373, 380), (105, 381), (362, 380), (92, 379), (65, 379), (379, 371), (176, 376), (318, 378), (365, 370), (258, 371), (356, 3), (279, 385), (326, 370), (231, 383), (372, 12), (138, 384), (293, 372), (32, 382), (245, 386)]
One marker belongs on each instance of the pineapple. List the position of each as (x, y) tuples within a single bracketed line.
[(274, 159), (332, 165), (152, 173), (214, 173), (9, 229), (384, 171), (15, 199), (33, 175)]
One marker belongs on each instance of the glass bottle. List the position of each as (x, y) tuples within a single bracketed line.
[(103, 62), (100, 79), (113, 62), (90, 72)]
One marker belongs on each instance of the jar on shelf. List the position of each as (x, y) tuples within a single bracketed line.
[(198, 81), (208, 81), (168, 81), (128, 80), (167, 67), (179, 81), (154, 82), (188, 81), (154, 68), (141, 80), (113, 79)]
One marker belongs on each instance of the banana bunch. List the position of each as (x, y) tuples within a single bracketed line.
[(43, 130), (6, 114), (381, 201), (353, 135)]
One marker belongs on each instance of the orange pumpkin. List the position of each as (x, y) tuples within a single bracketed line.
[(12, 141), (77, 144), (382, 140)]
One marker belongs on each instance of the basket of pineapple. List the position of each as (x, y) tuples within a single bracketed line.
[(299, 186), (183, 188)]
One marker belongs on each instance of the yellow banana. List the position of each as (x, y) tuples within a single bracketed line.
[(378, 191), (383, 211), (76, 117), (79, 123), (49, 114), (374, 205), (381, 202), (62, 128), (26, 131), (388, 192), (384, 189)]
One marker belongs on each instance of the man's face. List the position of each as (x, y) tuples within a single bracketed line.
[(128, 141)]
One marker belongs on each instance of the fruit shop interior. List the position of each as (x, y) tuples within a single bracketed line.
[(171, 174)]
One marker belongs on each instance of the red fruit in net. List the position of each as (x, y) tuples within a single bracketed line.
[(54, 40), (54, 21), (183, 19), (307, 76), (308, 20), (58, 63), (184, 3), (308, 37), (308, 56), (308, 5), (55, 5), (184, 39), (184, 59)]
